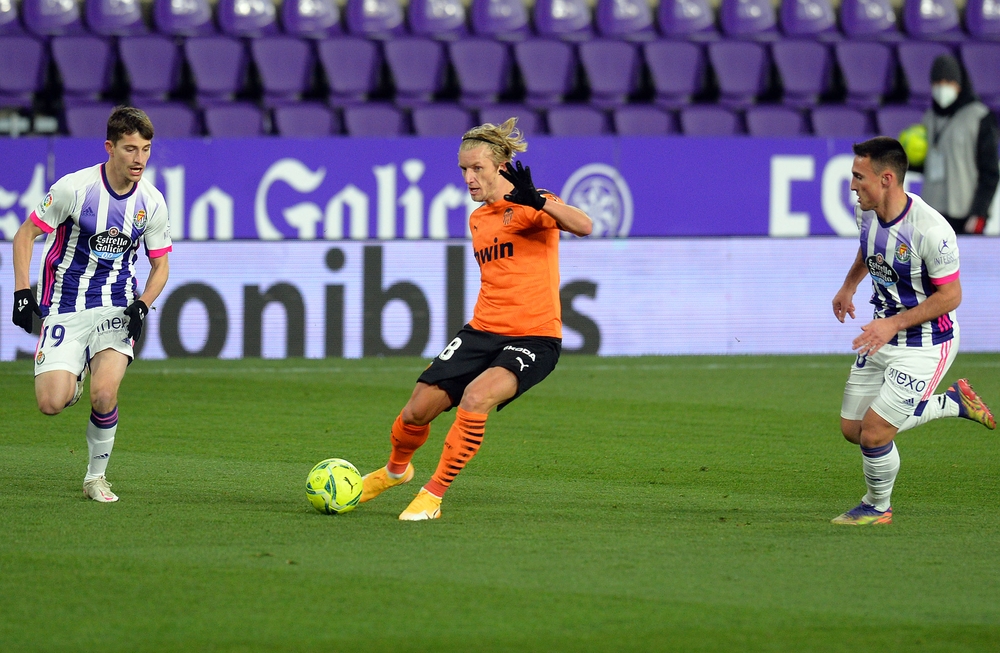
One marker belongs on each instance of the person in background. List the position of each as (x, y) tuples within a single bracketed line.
[(961, 170)]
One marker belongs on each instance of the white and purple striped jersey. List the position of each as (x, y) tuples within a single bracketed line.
[(907, 258), (93, 240)]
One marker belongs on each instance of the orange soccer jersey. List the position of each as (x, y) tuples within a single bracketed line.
[(517, 249)]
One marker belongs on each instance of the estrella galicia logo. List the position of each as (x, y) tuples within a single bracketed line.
[(881, 271), (140, 220), (109, 245), (903, 253), (602, 193)]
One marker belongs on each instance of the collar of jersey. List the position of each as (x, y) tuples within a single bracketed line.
[(906, 209), (111, 191)]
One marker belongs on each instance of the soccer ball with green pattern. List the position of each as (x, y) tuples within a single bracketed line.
[(333, 486)]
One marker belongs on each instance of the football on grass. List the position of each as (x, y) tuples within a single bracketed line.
[(333, 486)]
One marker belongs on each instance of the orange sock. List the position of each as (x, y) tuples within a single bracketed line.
[(406, 439), (461, 444)]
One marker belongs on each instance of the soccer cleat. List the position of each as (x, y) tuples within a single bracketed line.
[(424, 506), (99, 489), (864, 515), (79, 386), (970, 406), (379, 481)]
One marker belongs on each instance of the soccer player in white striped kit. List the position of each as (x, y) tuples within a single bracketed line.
[(911, 254), (88, 297)]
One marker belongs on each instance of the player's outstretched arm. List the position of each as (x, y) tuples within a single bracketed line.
[(843, 301), (570, 218), (159, 271)]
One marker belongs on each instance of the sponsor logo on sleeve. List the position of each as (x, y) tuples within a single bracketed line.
[(44, 206), (109, 245), (947, 254), (881, 271)]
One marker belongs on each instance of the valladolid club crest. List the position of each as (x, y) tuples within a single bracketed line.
[(600, 191)]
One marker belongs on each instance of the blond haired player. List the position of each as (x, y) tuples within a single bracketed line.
[(515, 336)]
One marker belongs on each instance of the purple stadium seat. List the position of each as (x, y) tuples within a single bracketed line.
[(218, 65), (868, 69), (869, 19), (375, 19), (805, 68), (10, 20), (548, 68), (483, 68), (52, 17), (981, 65), (352, 66), (172, 119), (22, 72), (183, 17), (892, 119), (841, 122), (755, 19), (441, 120), (247, 18), (285, 64), (687, 19), (625, 19), (439, 19), (378, 120), (506, 20), (234, 120), (152, 63), (677, 69), (305, 120), (570, 20), (577, 120), (643, 120), (528, 121), (933, 20), (709, 120), (86, 65), (915, 58), (418, 67), (115, 17), (311, 19), (612, 69), (808, 18), (88, 120), (742, 69), (982, 19), (775, 121)]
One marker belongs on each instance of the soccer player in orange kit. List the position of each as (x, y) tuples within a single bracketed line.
[(515, 336)]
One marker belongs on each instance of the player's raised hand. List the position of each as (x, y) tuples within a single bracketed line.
[(24, 306), (136, 313), (524, 189)]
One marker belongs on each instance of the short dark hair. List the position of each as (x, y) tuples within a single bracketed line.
[(884, 152), (129, 120)]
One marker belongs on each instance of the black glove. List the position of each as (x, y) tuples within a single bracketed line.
[(24, 306), (524, 189), (136, 312)]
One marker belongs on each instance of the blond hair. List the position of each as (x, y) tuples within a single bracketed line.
[(504, 141)]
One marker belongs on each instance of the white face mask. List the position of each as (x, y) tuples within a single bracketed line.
[(944, 94)]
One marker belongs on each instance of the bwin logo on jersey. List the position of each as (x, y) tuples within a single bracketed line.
[(109, 245), (602, 193)]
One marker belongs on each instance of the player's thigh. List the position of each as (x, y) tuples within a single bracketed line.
[(495, 386), (60, 357), (862, 387), (467, 356), (911, 376), (530, 359)]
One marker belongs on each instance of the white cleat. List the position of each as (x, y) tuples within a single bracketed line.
[(79, 386), (99, 490)]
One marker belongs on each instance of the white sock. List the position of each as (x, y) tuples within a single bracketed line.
[(936, 407), (880, 464), (100, 441), (391, 475)]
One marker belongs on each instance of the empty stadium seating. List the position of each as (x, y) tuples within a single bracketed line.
[(306, 68)]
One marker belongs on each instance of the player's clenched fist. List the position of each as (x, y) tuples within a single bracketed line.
[(136, 313), (24, 306)]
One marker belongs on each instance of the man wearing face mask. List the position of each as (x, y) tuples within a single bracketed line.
[(961, 170)]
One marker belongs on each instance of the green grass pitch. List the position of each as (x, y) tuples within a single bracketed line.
[(641, 504)]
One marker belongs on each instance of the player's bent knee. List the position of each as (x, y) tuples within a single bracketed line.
[(851, 430), (50, 407), (102, 400)]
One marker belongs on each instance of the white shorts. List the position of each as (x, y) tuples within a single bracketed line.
[(897, 381), (70, 340)]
